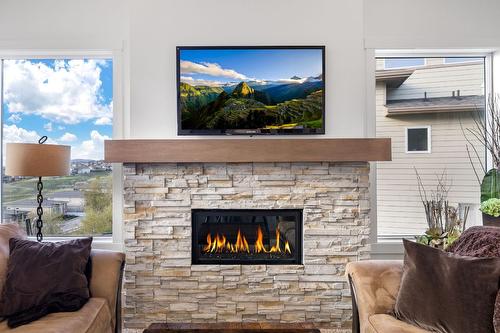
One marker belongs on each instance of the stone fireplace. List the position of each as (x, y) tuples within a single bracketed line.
[(165, 281)]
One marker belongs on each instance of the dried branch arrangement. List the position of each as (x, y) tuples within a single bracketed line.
[(444, 221)]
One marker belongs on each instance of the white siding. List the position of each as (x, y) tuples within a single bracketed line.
[(441, 81), (399, 210)]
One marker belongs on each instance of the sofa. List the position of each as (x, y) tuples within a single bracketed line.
[(374, 288), (101, 314)]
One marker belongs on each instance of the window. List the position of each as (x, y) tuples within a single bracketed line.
[(418, 139), (394, 63), (71, 102), (452, 60), (426, 109)]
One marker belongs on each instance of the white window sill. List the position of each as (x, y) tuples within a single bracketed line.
[(100, 243), (389, 247)]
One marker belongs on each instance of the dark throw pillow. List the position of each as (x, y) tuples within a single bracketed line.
[(444, 292), (480, 241), (43, 278)]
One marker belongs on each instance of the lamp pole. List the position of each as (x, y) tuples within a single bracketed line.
[(39, 200)]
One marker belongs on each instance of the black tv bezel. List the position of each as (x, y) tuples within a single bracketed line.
[(247, 132)]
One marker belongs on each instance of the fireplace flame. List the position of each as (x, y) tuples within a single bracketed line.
[(241, 243), (259, 243), (220, 244)]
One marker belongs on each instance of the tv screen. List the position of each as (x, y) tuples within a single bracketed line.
[(251, 90)]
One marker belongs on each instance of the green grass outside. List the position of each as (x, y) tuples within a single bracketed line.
[(26, 188)]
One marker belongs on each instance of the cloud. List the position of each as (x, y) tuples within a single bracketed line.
[(91, 149), (15, 118), (200, 82), (103, 121), (287, 81), (12, 133), (68, 92), (68, 137), (212, 69), (48, 127)]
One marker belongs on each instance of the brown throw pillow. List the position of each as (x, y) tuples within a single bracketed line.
[(480, 241), (445, 292), (44, 278)]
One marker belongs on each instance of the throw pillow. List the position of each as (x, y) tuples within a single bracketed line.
[(480, 241), (445, 292), (44, 278)]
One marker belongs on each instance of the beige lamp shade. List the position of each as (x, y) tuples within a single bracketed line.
[(37, 160)]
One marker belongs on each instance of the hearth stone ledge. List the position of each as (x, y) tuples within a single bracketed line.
[(161, 284)]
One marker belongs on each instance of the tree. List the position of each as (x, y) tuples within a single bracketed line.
[(98, 207), (51, 223)]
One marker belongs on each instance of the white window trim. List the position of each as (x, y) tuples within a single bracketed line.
[(429, 140), (384, 248), (91, 50)]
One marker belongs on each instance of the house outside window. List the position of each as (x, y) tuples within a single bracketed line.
[(425, 104), (70, 100)]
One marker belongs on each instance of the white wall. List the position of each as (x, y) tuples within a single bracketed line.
[(62, 22), (158, 26), (432, 23)]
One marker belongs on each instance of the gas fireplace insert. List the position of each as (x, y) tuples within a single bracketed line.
[(246, 236)]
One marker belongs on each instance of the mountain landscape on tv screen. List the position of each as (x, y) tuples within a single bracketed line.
[(223, 103)]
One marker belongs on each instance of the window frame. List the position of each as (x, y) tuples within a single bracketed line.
[(429, 140), (386, 246), (93, 51)]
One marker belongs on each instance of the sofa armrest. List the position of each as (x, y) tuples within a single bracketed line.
[(106, 281), (374, 284)]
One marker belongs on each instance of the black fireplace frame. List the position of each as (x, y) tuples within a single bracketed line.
[(297, 260)]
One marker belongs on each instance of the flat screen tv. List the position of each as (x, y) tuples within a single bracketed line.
[(251, 90)]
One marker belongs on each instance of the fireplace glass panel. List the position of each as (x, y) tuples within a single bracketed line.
[(253, 236)]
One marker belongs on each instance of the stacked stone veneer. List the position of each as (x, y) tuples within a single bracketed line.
[(160, 282)]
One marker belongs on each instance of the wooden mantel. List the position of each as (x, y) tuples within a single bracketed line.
[(247, 150)]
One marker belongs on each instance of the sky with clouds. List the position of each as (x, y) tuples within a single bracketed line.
[(219, 66), (70, 101)]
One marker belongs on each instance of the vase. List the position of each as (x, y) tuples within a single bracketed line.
[(491, 221)]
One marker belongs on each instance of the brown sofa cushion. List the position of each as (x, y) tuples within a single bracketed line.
[(445, 292), (106, 278), (44, 278), (93, 317), (384, 323)]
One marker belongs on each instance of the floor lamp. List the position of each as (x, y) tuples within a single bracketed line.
[(37, 160)]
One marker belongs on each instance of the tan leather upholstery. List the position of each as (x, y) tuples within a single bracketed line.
[(376, 284), (7, 231), (94, 317), (106, 277), (98, 315), (382, 323)]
